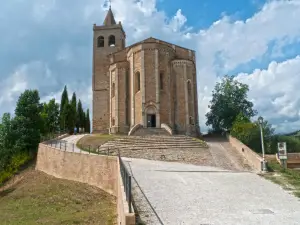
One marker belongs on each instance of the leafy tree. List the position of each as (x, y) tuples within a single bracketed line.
[(6, 141), (87, 122), (249, 133), (27, 123), (6, 133), (50, 116), (229, 99), (292, 143), (64, 101)]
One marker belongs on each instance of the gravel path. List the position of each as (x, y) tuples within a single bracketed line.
[(189, 194)]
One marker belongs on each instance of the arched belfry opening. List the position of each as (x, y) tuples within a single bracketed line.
[(112, 41), (100, 42)]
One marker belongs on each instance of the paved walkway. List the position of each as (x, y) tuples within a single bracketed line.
[(68, 144), (189, 194)]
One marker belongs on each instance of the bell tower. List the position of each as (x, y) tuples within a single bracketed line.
[(108, 38)]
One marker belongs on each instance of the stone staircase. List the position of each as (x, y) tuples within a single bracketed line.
[(150, 132), (153, 142)]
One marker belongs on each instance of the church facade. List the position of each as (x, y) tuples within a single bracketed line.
[(150, 83)]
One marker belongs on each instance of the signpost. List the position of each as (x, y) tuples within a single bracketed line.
[(282, 154)]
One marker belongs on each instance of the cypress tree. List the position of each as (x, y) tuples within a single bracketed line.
[(87, 122), (74, 109), (64, 101), (79, 115)]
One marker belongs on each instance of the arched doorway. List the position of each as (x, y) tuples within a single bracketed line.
[(151, 116)]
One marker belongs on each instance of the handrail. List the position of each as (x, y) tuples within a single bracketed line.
[(126, 178)]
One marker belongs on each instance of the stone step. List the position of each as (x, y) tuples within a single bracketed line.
[(142, 149), (156, 141), (150, 131), (150, 147), (153, 144)]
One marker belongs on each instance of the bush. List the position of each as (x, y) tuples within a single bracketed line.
[(293, 143), (249, 133), (17, 160)]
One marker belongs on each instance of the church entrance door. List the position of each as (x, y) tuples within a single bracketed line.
[(151, 120)]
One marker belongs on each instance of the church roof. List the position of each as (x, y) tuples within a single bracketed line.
[(149, 40), (109, 19)]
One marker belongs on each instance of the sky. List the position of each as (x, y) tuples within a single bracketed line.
[(46, 44)]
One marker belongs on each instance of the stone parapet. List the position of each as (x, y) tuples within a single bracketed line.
[(252, 157)]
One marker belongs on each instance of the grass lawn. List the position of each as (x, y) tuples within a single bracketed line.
[(38, 198), (289, 179), (94, 140), (203, 143)]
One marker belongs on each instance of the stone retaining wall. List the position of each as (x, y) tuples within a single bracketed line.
[(100, 171), (252, 157)]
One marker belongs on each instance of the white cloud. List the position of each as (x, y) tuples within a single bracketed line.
[(34, 75), (275, 92)]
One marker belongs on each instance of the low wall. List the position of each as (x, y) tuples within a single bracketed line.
[(252, 157), (167, 128), (97, 170), (134, 129), (293, 160), (100, 171)]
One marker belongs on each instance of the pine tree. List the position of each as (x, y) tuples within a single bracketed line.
[(64, 101)]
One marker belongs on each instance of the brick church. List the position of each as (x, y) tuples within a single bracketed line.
[(150, 84)]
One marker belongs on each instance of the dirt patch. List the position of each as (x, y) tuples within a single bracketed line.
[(37, 198)]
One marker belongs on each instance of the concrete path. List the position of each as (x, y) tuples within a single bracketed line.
[(68, 144), (194, 195)]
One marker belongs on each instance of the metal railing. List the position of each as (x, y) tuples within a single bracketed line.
[(126, 178), (72, 147)]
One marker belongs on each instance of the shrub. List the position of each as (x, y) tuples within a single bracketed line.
[(293, 143), (16, 161)]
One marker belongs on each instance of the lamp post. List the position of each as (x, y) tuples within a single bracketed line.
[(260, 121)]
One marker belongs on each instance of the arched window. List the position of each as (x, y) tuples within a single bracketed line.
[(100, 42), (111, 41), (161, 81), (137, 81), (113, 90)]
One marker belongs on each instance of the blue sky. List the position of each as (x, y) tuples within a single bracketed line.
[(46, 44), (201, 14)]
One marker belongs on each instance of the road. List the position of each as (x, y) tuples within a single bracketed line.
[(189, 194)]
